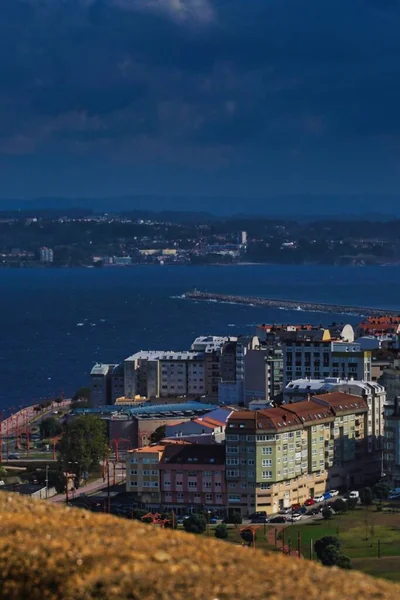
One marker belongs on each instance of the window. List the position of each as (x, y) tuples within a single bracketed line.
[(206, 484), (180, 497), (232, 438), (251, 461), (167, 483), (232, 449), (232, 473), (133, 472), (267, 462), (244, 485), (265, 486), (298, 434), (267, 474), (232, 461), (267, 450), (207, 474), (313, 429), (134, 483), (209, 497), (250, 438), (134, 460), (179, 483), (250, 449), (192, 485)]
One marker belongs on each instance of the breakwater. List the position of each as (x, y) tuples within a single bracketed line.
[(308, 306)]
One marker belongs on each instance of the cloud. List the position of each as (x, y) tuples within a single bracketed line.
[(199, 11)]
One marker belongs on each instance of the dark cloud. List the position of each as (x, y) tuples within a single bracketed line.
[(280, 83)]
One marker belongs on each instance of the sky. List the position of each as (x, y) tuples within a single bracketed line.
[(245, 99)]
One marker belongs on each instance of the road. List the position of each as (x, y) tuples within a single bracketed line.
[(94, 486)]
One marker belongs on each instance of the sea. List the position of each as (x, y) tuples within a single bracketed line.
[(56, 323)]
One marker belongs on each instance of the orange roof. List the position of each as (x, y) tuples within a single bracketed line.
[(342, 401), (147, 449)]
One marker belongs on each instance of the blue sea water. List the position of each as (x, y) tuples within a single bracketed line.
[(55, 323)]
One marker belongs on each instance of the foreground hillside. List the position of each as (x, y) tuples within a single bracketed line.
[(48, 552)]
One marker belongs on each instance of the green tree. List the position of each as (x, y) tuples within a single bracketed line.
[(366, 496), (221, 531), (83, 445), (82, 393), (234, 517), (195, 524), (339, 506), (50, 427), (3, 471), (328, 552), (381, 491), (327, 513), (157, 435)]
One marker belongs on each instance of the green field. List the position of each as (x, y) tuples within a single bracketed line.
[(363, 534)]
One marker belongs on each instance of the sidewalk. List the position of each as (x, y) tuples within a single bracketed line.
[(93, 486)]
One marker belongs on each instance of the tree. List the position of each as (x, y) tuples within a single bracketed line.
[(82, 393), (195, 524), (327, 513), (221, 531), (366, 496), (328, 552), (234, 517), (352, 503), (50, 427), (157, 435), (58, 400), (83, 445), (339, 506), (381, 491)]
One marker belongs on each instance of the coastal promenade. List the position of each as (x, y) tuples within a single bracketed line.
[(308, 306)]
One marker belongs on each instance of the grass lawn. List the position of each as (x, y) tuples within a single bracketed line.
[(385, 568), (359, 531)]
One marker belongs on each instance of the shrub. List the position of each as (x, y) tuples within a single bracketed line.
[(234, 518), (352, 503), (366, 496), (339, 505), (327, 513), (195, 524), (221, 531)]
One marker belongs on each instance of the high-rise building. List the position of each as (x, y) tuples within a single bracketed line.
[(317, 354), (263, 374), (242, 238), (392, 443), (281, 456), (101, 384), (46, 255)]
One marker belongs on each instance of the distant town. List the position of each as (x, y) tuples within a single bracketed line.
[(81, 238), (291, 427)]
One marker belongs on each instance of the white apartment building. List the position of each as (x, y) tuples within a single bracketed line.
[(374, 394), (160, 374), (46, 255), (313, 354), (208, 343)]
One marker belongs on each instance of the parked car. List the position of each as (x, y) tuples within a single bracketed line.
[(295, 517), (334, 493), (319, 498), (327, 496), (309, 502), (394, 496), (13, 457), (259, 520), (259, 513), (354, 494), (213, 521), (278, 520), (285, 511), (296, 507), (313, 511)]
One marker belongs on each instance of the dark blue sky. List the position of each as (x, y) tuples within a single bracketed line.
[(249, 98)]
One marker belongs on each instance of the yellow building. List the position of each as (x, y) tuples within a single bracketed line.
[(142, 473)]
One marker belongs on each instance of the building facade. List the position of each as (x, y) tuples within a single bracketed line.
[(315, 355), (392, 443), (143, 474), (282, 456), (192, 478), (101, 384)]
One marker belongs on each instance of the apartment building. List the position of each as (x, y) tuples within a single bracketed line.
[(101, 384), (281, 456), (212, 423), (263, 374), (317, 355), (162, 374), (143, 474), (192, 478), (373, 393), (392, 443)]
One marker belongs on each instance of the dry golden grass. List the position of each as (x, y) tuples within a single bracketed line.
[(49, 552)]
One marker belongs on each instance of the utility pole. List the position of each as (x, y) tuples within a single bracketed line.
[(47, 481)]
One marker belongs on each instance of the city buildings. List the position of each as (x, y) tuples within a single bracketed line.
[(46, 255), (101, 384), (392, 443), (373, 393), (178, 476), (321, 353), (212, 423), (284, 455), (263, 374)]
